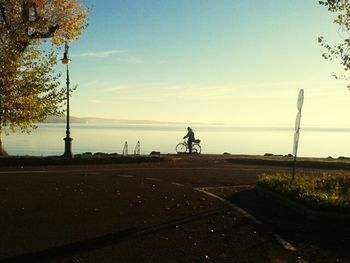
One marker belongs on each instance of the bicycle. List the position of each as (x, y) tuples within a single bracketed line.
[(182, 147)]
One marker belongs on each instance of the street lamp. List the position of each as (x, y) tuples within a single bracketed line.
[(68, 140)]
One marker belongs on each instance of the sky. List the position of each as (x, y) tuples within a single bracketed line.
[(213, 61)]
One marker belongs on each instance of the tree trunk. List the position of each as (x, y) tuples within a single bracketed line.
[(2, 149)]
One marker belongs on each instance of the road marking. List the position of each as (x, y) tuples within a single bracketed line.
[(284, 243), (229, 186), (153, 179), (177, 184), (125, 175), (235, 207), (280, 240)]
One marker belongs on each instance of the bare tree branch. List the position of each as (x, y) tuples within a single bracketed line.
[(48, 34), (3, 14), (25, 11)]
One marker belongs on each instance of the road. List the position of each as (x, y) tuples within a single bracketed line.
[(171, 211)]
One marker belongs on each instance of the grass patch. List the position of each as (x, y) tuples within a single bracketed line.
[(324, 193)]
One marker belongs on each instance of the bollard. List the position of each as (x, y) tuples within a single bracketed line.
[(137, 148), (125, 149)]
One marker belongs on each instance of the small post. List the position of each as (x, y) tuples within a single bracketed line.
[(125, 149), (137, 148), (294, 166)]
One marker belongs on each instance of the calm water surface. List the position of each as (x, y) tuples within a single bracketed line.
[(216, 139)]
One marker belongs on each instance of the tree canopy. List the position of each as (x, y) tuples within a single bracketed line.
[(29, 89), (22, 21), (341, 50), (28, 84)]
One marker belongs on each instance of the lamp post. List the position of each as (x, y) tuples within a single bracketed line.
[(68, 140)]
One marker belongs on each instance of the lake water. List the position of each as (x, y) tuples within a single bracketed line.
[(216, 139)]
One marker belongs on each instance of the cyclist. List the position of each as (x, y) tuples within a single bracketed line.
[(190, 140)]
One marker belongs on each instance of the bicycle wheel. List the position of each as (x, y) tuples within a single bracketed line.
[(181, 148), (196, 148)]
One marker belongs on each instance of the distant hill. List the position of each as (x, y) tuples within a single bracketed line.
[(62, 119)]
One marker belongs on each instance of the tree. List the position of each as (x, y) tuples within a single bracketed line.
[(30, 91), (339, 51), (22, 21), (28, 84)]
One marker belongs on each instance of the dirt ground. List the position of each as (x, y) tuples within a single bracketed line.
[(153, 212)]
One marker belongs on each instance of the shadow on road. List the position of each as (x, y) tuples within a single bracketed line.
[(328, 239), (109, 239)]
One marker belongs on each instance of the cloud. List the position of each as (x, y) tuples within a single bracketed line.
[(131, 59), (167, 91), (123, 55), (198, 91), (116, 88), (102, 54)]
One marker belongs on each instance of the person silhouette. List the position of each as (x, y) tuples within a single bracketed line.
[(190, 140)]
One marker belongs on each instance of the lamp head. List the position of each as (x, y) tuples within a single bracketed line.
[(66, 60)]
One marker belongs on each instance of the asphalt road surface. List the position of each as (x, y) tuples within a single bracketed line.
[(187, 209)]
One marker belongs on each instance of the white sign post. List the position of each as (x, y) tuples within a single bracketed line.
[(297, 129)]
